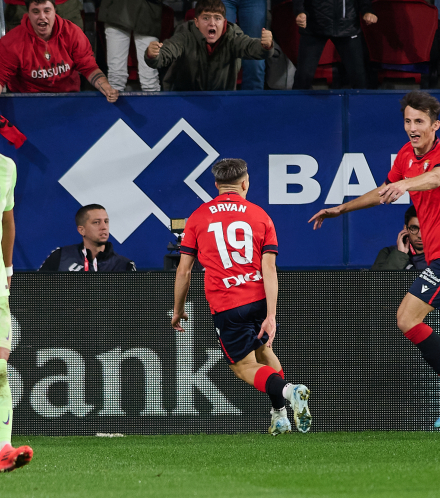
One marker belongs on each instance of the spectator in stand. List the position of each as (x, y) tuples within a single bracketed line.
[(320, 20), (408, 254), (67, 9), (207, 52), (122, 18), (251, 16), (95, 253), (45, 52)]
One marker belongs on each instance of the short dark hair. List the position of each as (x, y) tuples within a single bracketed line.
[(421, 101), (410, 213), (229, 170), (216, 6), (81, 215), (28, 3)]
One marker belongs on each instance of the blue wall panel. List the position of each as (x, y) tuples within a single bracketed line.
[(134, 157)]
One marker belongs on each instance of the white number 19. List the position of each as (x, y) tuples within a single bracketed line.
[(231, 234)]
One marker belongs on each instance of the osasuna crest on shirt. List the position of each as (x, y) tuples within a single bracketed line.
[(229, 235)]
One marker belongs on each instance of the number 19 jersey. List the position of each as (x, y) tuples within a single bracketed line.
[(229, 235)]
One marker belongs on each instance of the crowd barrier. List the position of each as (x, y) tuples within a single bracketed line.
[(96, 353), (147, 159)]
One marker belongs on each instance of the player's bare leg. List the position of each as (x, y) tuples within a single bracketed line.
[(267, 379), (10, 458), (246, 368), (412, 311), (266, 356), (410, 316)]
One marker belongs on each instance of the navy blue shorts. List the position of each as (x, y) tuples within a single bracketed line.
[(427, 285), (237, 330)]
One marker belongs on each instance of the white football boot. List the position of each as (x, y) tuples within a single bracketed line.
[(280, 423), (301, 413)]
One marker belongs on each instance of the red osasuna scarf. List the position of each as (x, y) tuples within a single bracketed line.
[(11, 133)]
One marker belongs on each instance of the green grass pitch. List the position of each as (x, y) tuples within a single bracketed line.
[(342, 465)]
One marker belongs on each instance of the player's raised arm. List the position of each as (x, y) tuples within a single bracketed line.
[(426, 181), (319, 217), (370, 199)]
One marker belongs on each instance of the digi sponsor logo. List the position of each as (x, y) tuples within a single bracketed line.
[(242, 279)]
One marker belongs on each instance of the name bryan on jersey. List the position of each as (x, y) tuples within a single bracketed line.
[(227, 207)]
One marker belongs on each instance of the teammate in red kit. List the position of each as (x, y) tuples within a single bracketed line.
[(236, 243), (416, 169)]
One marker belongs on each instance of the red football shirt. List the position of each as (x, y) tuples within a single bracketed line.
[(30, 64), (427, 202), (229, 235)]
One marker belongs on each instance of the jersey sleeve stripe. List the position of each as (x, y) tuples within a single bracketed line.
[(188, 250), (270, 249)]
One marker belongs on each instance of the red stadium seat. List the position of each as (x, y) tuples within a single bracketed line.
[(401, 40), (286, 33), (189, 16)]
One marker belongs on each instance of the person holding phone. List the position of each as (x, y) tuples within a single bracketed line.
[(408, 254)]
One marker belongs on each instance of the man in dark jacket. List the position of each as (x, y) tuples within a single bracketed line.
[(95, 253), (122, 18), (408, 253), (337, 20), (207, 52)]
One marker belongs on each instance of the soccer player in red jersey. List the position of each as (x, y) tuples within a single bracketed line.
[(236, 243), (416, 170)]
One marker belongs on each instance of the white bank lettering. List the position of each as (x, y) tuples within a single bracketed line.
[(309, 189), (229, 206), (192, 380), (242, 279), (49, 73)]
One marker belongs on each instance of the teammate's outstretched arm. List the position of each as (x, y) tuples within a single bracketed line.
[(367, 200), (426, 181), (270, 280), (181, 287)]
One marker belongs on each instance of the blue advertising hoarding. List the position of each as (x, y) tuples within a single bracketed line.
[(148, 157)]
